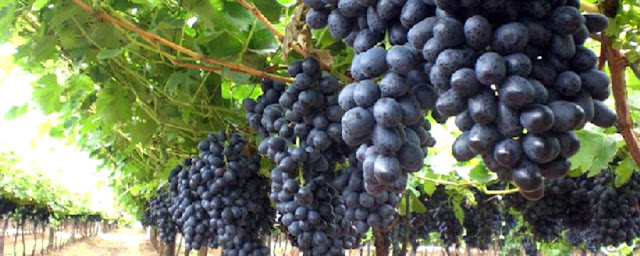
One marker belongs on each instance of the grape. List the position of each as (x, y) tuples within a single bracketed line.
[(596, 23), (565, 20), (537, 118), (517, 92), (490, 69), (371, 63), (563, 46), (568, 115), (518, 64), (597, 83), (401, 59), (339, 25), (478, 32), (414, 11), (483, 107), (393, 85), (366, 39), (510, 38), (317, 18), (421, 32), (602, 115)]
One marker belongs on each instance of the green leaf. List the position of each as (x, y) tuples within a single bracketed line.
[(113, 106), (142, 132), (480, 174), (38, 4), (109, 53), (176, 80), (7, 14), (596, 151), (16, 111), (47, 93), (414, 205), (624, 170), (429, 187), (238, 15), (270, 9)]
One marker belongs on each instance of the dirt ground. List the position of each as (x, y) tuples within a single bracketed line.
[(125, 242)]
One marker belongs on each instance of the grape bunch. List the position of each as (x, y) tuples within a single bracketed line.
[(439, 217), (386, 120), (529, 246), (6, 205), (592, 211), (303, 137), (147, 218), (186, 208), (616, 211), (565, 206), (518, 80), (263, 112), (159, 208), (363, 209), (545, 215), (481, 220), (234, 195)]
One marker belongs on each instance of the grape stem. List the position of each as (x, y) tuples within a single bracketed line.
[(499, 192), (446, 182), (471, 183), (617, 66), (269, 25), (153, 39)]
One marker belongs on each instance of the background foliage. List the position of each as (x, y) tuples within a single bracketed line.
[(141, 107)]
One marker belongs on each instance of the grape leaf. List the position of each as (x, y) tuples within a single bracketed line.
[(624, 170), (480, 173), (109, 53), (16, 111), (596, 151)]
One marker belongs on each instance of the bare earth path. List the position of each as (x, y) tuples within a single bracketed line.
[(125, 242)]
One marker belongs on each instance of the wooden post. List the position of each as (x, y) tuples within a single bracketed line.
[(35, 238), (203, 251), (381, 242), (4, 231), (24, 245), (52, 242), (169, 250), (153, 236), (160, 248)]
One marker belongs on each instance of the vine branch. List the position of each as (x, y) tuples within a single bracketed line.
[(153, 38), (617, 65)]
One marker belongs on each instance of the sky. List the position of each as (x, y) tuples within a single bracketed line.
[(28, 137)]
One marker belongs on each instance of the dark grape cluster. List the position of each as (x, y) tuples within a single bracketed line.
[(363, 209), (439, 217), (519, 81), (235, 195), (6, 205), (385, 118), (616, 211), (186, 208), (302, 135), (592, 211), (481, 220), (565, 205), (529, 246), (161, 217)]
